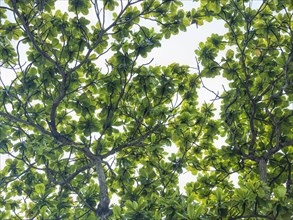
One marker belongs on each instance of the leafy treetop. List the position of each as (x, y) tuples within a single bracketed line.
[(79, 132)]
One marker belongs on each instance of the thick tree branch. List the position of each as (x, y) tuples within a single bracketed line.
[(55, 106), (275, 149), (262, 164), (103, 210)]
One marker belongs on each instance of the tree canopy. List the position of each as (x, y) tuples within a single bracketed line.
[(87, 117)]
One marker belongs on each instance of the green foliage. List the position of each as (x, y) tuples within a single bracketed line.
[(79, 6), (78, 133), (255, 110)]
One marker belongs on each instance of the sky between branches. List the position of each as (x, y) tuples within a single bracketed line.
[(178, 49)]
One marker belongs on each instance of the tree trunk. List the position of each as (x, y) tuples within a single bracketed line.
[(103, 208), (263, 170)]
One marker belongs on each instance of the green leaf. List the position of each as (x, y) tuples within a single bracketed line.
[(185, 21), (190, 211), (79, 6), (43, 210), (40, 188), (199, 210), (219, 194), (280, 192), (153, 137), (229, 54)]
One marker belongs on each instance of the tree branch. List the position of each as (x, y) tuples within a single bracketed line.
[(103, 208), (28, 123), (70, 177), (32, 38)]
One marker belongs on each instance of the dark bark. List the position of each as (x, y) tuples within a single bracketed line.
[(263, 170)]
